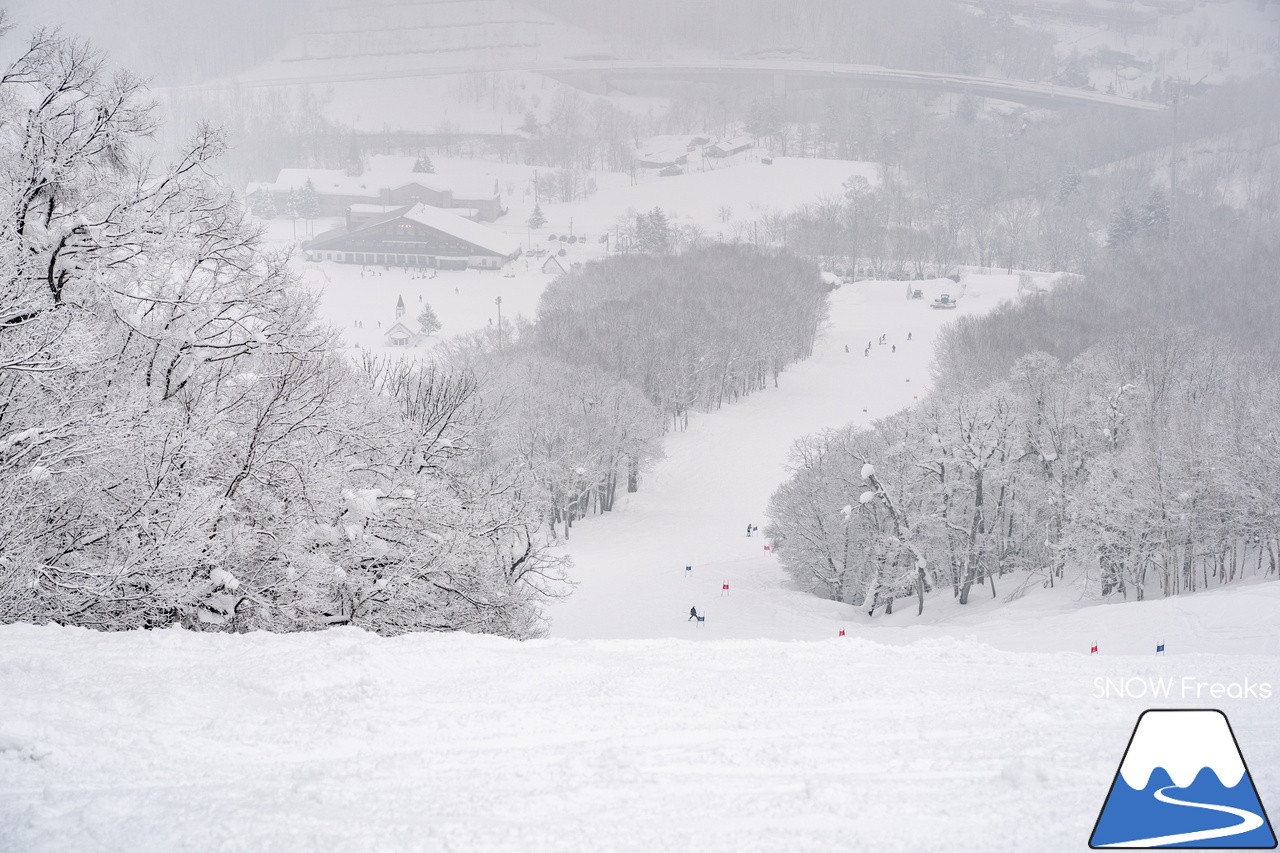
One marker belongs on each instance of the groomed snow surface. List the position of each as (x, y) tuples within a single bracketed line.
[(171, 741), (632, 728)]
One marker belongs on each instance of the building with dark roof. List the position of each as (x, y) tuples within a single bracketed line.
[(390, 182), (418, 236)]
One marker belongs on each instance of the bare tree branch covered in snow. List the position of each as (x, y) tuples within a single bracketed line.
[(178, 441), (1144, 467)]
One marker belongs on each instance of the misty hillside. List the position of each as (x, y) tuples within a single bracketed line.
[(1101, 43)]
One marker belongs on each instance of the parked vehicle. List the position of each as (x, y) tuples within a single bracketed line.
[(943, 301)]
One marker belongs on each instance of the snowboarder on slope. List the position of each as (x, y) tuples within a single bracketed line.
[(748, 529)]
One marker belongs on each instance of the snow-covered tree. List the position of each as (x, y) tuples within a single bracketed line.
[(1069, 185), (179, 442), (428, 322), (1122, 472), (1122, 225), (537, 219), (308, 201), (263, 203), (424, 165), (656, 238), (1155, 212)]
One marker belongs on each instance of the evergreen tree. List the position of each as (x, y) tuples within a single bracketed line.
[(424, 165), (659, 232), (536, 219), (1123, 225), (1155, 212), (293, 206), (428, 320), (1069, 185), (643, 236), (263, 203), (308, 201)]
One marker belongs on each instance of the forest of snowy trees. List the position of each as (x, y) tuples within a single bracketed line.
[(1146, 466), (1117, 432), (623, 350), (180, 441), (692, 331)]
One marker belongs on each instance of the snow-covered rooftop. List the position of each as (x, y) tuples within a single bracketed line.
[(371, 183), (464, 229)]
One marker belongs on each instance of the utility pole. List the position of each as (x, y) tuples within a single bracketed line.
[(498, 302), (1173, 166)]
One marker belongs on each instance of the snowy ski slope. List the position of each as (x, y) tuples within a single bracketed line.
[(984, 730)]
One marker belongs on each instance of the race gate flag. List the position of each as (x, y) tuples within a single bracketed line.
[(1183, 783)]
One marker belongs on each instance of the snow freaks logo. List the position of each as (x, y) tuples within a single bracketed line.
[(1183, 783), (1188, 687)]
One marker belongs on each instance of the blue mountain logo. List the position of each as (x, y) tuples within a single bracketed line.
[(1183, 783)]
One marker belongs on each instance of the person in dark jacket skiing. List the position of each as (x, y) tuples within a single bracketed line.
[(693, 614)]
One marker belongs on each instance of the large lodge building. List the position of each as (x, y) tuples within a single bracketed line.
[(390, 182), (414, 236), (398, 217)]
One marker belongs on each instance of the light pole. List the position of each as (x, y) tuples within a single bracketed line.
[(498, 302)]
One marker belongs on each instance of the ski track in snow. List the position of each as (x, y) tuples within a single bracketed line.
[(956, 731)]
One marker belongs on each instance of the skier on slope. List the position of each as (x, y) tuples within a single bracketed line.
[(693, 613)]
